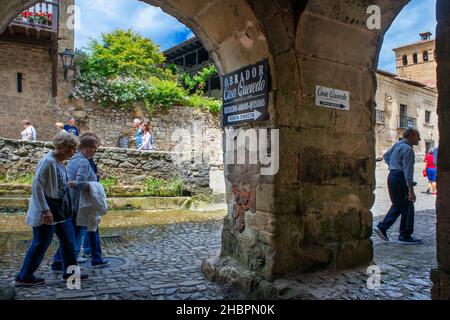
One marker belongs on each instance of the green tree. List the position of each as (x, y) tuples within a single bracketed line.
[(124, 53)]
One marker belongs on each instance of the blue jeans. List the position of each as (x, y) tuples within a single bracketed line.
[(93, 239), (398, 192), (95, 251), (42, 237)]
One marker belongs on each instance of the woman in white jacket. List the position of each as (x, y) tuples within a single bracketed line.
[(80, 170), (147, 143), (49, 181)]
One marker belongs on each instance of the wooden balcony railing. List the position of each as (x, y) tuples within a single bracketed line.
[(43, 15)]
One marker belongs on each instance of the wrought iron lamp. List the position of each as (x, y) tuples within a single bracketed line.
[(67, 57)]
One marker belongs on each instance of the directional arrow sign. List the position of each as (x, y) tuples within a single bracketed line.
[(254, 115), (332, 98)]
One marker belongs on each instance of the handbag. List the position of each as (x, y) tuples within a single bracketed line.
[(425, 173), (61, 208)]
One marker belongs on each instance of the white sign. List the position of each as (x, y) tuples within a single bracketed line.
[(332, 98), (254, 115)]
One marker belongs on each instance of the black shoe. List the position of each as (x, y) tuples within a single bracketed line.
[(34, 281), (83, 276), (409, 240), (100, 264), (381, 233), (56, 267)]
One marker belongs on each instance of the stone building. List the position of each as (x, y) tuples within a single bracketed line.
[(408, 98), (32, 84), (417, 61), (403, 103)]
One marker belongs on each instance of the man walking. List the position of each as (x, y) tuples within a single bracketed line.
[(400, 159)]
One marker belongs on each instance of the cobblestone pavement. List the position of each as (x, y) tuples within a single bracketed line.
[(405, 271), (163, 262), (160, 262)]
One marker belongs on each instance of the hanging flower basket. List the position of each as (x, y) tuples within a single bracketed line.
[(38, 18)]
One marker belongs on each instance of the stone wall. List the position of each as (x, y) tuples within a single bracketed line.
[(441, 276), (18, 158), (422, 71), (35, 102), (202, 126)]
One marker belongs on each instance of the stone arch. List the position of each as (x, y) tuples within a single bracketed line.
[(305, 221)]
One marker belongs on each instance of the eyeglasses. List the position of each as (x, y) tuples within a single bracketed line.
[(92, 147)]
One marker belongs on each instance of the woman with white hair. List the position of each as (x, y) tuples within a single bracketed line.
[(137, 124), (49, 187), (80, 170)]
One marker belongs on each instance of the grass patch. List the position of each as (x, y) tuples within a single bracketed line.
[(109, 181), (23, 179), (162, 188)]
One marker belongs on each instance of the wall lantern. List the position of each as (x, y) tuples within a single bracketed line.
[(67, 57)]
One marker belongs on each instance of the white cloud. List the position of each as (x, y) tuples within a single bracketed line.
[(157, 25), (106, 15)]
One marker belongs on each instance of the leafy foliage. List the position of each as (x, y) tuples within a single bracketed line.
[(162, 188), (109, 181), (125, 68)]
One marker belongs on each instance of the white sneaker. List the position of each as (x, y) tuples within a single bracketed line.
[(81, 259)]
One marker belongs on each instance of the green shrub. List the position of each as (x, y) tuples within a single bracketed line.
[(162, 188), (21, 179), (109, 181), (125, 68)]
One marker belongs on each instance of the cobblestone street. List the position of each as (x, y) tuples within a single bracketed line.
[(163, 262)]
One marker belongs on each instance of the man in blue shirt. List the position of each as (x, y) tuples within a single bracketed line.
[(137, 125), (400, 159), (71, 128)]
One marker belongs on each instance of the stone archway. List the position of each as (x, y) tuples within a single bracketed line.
[(304, 222)]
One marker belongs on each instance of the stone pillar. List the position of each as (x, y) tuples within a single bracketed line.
[(441, 276), (315, 212)]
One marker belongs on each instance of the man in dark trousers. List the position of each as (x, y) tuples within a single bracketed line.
[(400, 159)]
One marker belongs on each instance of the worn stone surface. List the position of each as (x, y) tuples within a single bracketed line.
[(165, 262), (7, 292), (132, 167), (440, 288), (275, 30)]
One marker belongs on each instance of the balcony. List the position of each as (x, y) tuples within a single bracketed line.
[(407, 122), (36, 26), (380, 117)]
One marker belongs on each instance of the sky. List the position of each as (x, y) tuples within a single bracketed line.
[(418, 16), (99, 16)]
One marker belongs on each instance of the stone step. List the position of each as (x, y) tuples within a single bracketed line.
[(20, 203)]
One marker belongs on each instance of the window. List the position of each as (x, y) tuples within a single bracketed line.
[(427, 116), (19, 82), (405, 60), (426, 56), (403, 110), (415, 58)]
